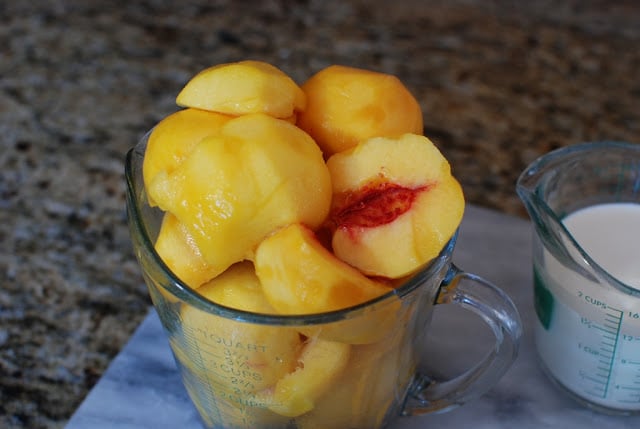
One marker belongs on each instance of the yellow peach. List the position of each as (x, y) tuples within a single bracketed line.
[(173, 138), (375, 376), (321, 363), (256, 175), (375, 324), (243, 87), (232, 408), (300, 276), (237, 356), (395, 204), (177, 250), (347, 105), (238, 287)]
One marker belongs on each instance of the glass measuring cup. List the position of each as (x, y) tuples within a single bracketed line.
[(586, 270), (354, 368)]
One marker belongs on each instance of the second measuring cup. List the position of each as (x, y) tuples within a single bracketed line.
[(584, 201)]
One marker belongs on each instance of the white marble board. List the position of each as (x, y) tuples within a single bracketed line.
[(141, 388)]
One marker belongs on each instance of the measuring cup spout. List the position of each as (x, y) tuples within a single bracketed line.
[(573, 178), (536, 187)]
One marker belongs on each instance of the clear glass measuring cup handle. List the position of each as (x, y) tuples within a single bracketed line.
[(498, 311)]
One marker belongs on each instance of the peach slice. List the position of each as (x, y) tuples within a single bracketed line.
[(347, 105), (375, 376), (238, 287), (321, 363), (300, 276), (258, 174), (243, 87), (173, 138), (395, 204), (235, 407), (377, 323), (235, 354), (177, 250)]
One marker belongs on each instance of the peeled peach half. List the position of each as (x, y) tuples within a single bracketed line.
[(243, 87), (374, 377), (238, 287), (347, 105), (237, 355), (173, 138), (300, 276), (258, 174), (179, 252), (377, 323), (395, 204), (321, 363)]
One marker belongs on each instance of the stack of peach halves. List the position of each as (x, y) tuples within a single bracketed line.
[(290, 199)]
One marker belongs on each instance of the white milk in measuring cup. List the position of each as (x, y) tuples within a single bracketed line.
[(588, 333)]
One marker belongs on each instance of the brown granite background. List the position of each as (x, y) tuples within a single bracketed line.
[(501, 82)]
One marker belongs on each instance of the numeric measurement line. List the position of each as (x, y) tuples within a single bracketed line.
[(197, 356), (612, 333), (595, 380)]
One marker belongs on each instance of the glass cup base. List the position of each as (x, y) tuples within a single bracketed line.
[(599, 408)]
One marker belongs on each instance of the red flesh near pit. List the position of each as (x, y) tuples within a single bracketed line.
[(375, 205)]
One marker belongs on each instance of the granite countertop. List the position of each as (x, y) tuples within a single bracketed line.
[(500, 82)]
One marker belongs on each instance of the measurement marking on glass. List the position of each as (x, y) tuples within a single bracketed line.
[(199, 361), (618, 324), (610, 329)]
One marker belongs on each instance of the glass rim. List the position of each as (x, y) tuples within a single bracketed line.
[(190, 296), (525, 187), (562, 153)]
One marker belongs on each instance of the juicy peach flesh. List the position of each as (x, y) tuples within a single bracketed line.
[(362, 210), (243, 87), (316, 281), (346, 105), (374, 205), (395, 204)]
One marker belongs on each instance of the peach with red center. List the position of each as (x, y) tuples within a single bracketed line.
[(395, 204)]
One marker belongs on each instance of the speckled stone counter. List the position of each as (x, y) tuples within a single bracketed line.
[(500, 82)]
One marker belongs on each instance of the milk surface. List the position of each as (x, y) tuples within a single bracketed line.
[(587, 332), (610, 235)]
